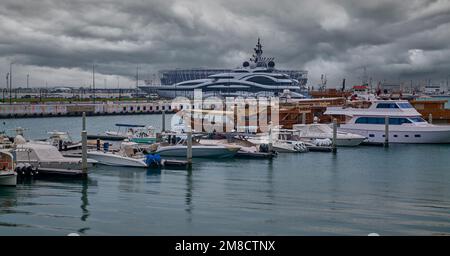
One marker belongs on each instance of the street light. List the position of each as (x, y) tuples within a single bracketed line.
[(10, 82)]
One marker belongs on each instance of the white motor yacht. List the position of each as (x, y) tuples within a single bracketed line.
[(324, 131), (8, 176), (406, 125)]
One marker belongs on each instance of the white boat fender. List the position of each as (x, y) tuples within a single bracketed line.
[(322, 142)]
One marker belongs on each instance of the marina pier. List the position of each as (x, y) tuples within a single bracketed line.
[(22, 110)]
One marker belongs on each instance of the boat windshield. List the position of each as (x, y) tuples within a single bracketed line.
[(404, 105), (417, 120)]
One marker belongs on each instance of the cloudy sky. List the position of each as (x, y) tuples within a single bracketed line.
[(57, 41)]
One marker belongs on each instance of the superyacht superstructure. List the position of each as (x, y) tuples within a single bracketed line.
[(256, 77)]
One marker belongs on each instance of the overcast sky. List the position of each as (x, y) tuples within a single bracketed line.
[(56, 41)]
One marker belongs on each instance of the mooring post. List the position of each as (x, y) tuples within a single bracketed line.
[(334, 142), (84, 146), (270, 146), (386, 131), (189, 147), (430, 118), (163, 121), (303, 118)]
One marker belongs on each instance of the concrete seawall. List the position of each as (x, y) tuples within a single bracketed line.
[(76, 109)]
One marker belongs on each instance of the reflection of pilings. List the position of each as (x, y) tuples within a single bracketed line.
[(189, 148), (188, 198), (84, 200), (84, 203)]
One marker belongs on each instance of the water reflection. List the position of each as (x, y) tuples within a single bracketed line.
[(188, 195), (84, 205)]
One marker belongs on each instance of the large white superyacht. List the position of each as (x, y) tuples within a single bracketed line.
[(256, 77)]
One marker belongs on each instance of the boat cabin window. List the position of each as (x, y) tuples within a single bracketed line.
[(417, 120), (380, 120), (387, 105), (190, 83), (404, 105), (261, 80)]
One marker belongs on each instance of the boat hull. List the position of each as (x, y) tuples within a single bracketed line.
[(202, 152), (403, 136), (8, 179), (116, 160)]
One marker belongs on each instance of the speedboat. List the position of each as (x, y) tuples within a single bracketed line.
[(405, 125), (8, 176), (128, 155), (46, 157), (317, 131), (179, 149), (135, 133), (280, 144)]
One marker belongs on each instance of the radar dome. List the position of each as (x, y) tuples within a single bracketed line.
[(245, 64), (271, 64)]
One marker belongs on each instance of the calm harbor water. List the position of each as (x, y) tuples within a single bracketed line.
[(402, 190)]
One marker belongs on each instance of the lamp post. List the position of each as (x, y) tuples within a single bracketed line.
[(10, 82), (93, 81)]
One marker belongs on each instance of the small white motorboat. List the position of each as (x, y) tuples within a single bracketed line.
[(8, 176), (280, 144), (46, 158), (135, 133), (129, 155), (179, 149), (317, 131)]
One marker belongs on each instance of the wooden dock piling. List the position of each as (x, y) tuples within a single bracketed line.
[(334, 141), (163, 121), (84, 146), (386, 131)]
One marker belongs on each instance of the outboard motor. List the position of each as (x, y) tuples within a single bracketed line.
[(153, 160)]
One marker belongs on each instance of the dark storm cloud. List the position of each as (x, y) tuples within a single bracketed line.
[(395, 40)]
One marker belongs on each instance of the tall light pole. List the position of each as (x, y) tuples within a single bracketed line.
[(28, 81), (137, 76), (93, 79), (7, 86), (10, 83)]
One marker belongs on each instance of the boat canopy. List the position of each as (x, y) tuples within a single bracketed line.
[(130, 125)]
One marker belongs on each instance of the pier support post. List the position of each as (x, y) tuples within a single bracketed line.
[(334, 142), (303, 118), (270, 146), (386, 131), (84, 146), (163, 121), (189, 147), (430, 118)]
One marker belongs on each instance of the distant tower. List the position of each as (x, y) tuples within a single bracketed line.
[(365, 77)]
